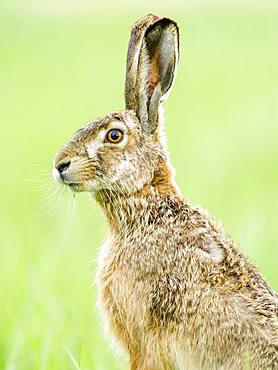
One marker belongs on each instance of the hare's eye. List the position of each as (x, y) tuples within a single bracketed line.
[(114, 136)]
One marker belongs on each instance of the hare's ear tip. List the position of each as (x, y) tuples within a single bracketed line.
[(146, 20), (151, 16), (151, 20), (168, 22)]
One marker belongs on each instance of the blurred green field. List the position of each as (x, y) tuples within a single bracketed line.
[(58, 71)]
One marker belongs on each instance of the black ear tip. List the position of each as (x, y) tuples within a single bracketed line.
[(163, 25)]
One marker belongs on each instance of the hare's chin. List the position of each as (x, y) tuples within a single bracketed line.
[(82, 187), (75, 187)]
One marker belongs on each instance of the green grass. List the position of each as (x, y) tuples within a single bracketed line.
[(58, 72)]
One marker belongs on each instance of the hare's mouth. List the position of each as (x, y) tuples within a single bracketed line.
[(65, 179), (74, 186)]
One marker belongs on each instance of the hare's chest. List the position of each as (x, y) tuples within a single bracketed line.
[(122, 294)]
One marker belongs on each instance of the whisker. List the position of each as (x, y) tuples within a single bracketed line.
[(69, 218)]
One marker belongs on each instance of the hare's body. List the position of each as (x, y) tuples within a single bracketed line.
[(176, 292)]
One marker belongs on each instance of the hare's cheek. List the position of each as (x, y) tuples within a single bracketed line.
[(116, 171), (93, 149)]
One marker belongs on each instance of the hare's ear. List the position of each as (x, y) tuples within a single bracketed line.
[(151, 65)]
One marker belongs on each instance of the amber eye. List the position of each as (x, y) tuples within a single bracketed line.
[(114, 136)]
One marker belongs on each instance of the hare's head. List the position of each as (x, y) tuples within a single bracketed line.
[(123, 150)]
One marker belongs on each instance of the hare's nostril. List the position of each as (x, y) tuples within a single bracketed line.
[(62, 166)]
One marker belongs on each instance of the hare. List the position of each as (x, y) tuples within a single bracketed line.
[(175, 291)]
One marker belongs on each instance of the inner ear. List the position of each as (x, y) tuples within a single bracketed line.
[(134, 47), (154, 76), (156, 70), (160, 47)]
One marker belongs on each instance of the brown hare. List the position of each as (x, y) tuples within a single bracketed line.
[(176, 292)]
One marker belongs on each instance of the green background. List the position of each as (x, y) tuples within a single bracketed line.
[(62, 64)]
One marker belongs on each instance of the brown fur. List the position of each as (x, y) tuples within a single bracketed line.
[(175, 291)]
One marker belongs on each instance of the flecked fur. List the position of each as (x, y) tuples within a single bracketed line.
[(175, 291)]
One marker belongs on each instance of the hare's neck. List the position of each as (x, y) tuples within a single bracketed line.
[(125, 212)]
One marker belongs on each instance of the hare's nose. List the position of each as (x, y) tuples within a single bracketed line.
[(61, 167)]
